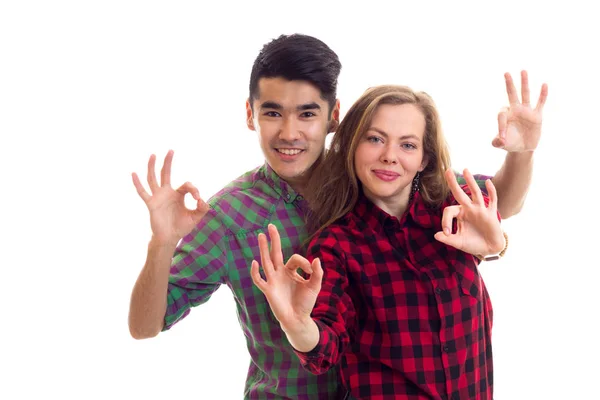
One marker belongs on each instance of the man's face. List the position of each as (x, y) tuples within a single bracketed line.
[(291, 120)]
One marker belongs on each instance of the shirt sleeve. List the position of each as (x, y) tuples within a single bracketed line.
[(334, 312), (479, 178), (198, 268)]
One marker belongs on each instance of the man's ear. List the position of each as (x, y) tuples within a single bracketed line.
[(249, 117), (334, 123)]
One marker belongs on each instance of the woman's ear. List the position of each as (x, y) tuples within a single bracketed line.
[(424, 163)]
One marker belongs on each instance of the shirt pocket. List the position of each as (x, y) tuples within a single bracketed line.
[(472, 305), (468, 287), (469, 279)]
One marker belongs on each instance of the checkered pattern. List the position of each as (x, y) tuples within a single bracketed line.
[(219, 251), (406, 316)]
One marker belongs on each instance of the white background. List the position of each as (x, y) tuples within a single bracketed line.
[(88, 90)]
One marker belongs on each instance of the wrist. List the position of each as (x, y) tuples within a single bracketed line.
[(303, 336), (496, 255), (161, 252), (299, 327), (157, 242), (525, 155)]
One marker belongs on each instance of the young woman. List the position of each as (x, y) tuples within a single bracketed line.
[(399, 304)]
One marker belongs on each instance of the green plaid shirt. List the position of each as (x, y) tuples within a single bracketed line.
[(220, 251)]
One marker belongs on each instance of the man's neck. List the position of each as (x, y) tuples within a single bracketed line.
[(299, 184)]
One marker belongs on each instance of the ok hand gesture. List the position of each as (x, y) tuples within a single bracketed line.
[(520, 125), (290, 296), (478, 229), (170, 219)]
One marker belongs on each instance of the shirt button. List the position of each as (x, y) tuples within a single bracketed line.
[(438, 290), (446, 349), (287, 196), (299, 197)]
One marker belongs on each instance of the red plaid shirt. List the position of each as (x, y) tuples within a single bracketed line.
[(406, 316)]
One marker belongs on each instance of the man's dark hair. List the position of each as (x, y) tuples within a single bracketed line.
[(298, 57)]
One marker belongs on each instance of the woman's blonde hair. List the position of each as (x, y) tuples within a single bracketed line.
[(333, 189)]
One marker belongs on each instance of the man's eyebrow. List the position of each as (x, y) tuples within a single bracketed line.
[(302, 107), (271, 104), (308, 106)]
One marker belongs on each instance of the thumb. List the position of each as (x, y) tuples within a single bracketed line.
[(449, 240), (316, 277), (448, 216), (200, 211), (201, 205), (498, 142), (502, 122)]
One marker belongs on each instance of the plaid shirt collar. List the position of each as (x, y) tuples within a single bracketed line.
[(281, 187), (418, 212)]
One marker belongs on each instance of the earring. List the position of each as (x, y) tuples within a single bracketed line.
[(415, 186)]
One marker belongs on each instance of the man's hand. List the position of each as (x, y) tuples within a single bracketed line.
[(520, 126), (170, 219)]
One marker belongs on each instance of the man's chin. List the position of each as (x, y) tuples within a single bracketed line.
[(291, 175)]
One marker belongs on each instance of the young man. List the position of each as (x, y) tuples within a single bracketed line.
[(292, 106)]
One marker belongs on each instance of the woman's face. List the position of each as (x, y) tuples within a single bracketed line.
[(390, 154)]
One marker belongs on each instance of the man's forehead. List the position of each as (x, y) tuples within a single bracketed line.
[(288, 94)]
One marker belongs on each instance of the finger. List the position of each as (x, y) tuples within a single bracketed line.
[(542, 100), (475, 190), (498, 143), (316, 278), (200, 211), (450, 240), (295, 276), (493, 195), (201, 206), (513, 98), (297, 261), (189, 188), (151, 175), (502, 122), (460, 196), (448, 216), (276, 254), (140, 189), (165, 172), (524, 88), (256, 278), (263, 247)]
